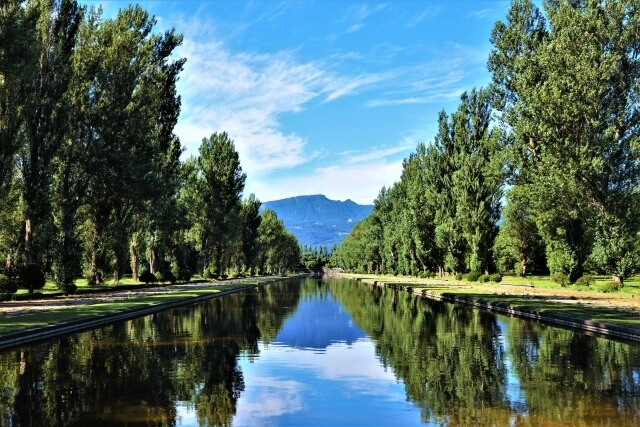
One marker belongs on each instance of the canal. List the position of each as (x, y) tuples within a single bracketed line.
[(322, 352)]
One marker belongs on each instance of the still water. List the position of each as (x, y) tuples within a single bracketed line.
[(322, 352)]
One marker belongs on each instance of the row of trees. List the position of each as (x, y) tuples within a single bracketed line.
[(558, 130), (90, 173)]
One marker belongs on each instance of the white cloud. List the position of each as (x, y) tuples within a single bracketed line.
[(478, 14), (244, 94), (428, 12), (273, 397), (347, 86), (356, 27), (360, 12)]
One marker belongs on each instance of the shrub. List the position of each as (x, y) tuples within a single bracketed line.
[(89, 278), (224, 276), (169, 277), (181, 273), (483, 278), (423, 275), (611, 287), (147, 277), (210, 273), (586, 280), (458, 276), (67, 288), (432, 274), (496, 278), (7, 285), (32, 277), (560, 278), (160, 277), (473, 276)]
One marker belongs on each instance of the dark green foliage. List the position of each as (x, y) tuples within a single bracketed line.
[(68, 288), (432, 274), (31, 277), (169, 277), (473, 276), (560, 278), (181, 273), (459, 276), (160, 277), (147, 277), (210, 273), (7, 285), (612, 287), (483, 278), (496, 277), (586, 280)]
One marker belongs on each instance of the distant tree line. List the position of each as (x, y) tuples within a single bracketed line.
[(91, 180), (315, 256), (556, 134)]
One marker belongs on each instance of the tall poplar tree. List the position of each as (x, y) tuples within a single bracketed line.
[(45, 112), (569, 87), (220, 186)]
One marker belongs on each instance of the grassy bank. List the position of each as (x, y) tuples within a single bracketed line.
[(72, 309), (621, 308)]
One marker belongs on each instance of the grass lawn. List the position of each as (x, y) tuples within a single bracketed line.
[(69, 310)]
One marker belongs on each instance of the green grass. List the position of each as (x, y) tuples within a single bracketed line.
[(36, 319)]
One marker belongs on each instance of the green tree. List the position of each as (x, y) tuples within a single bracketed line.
[(568, 87), (45, 111), (250, 224), (479, 176), (220, 182), (127, 94), (279, 248), (518, 234)]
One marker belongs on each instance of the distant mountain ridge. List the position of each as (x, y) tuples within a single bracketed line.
[(318, 221)]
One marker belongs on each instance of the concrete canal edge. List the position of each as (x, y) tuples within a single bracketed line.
[(589, 326), (29, 336)]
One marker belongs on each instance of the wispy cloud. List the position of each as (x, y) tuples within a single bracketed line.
[(478, 14), (427, 13), (360, 12), (345, 86), (357, 14), (356, 27), (245, 94)]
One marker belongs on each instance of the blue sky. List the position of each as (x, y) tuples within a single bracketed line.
[(323, 97)]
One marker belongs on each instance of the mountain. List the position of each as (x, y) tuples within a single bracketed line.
[(316, 220)]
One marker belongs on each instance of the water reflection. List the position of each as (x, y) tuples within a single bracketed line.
[(320, 353)]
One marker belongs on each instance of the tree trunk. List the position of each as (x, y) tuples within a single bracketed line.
[(28, 239), (523, 266), (134, 261), (116, 272), (97, 279), (8, 265), (152, 260)]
